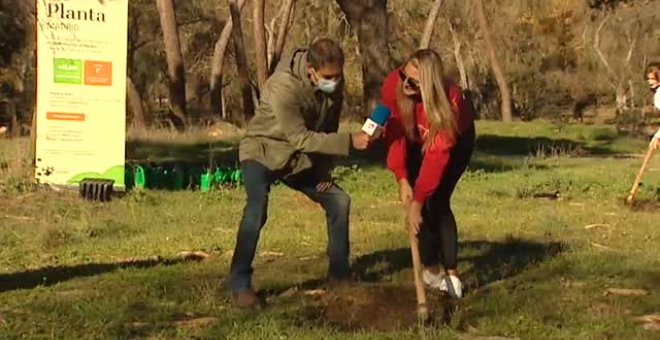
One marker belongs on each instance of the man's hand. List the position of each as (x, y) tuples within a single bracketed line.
[(414, 216), (405, 192), (324, 186), (360, 140)]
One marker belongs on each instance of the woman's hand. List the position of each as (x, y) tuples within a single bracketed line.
[(655, 141), (405, 192), (414, 216)]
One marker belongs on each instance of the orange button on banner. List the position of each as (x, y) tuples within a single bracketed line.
[(76, 117), (98, 73)]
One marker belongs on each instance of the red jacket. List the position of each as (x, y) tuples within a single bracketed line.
[(436, 156)]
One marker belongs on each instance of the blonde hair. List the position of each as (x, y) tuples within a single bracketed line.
[(438, 110)]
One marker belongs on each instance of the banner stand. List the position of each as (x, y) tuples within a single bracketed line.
[(79, 122)]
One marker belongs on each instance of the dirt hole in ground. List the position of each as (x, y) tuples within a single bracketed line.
[(645, 205), (376, 307)]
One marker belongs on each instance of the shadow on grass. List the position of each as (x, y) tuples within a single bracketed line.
[(494, 261), (48, 276), (375, 303)]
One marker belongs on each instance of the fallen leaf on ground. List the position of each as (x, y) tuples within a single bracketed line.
[(193, 255), (314, 292), (289, 292), (650, 322), (651, 318), (20, 218), (195, 322), (652, 326), (627, 292), (597, 225), (272, 253), (600, 246), (154, 258), (472, 337)]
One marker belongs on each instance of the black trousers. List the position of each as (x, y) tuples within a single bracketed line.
[(438, 236)]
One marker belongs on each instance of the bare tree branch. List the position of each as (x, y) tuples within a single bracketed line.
[(505, 93), (270, 38), (217, 63), (457, 56), (285, 22), (258, 7), (425, 42), (600, 54)]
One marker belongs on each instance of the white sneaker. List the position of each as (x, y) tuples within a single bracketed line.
[(432, 280), (452, 285)]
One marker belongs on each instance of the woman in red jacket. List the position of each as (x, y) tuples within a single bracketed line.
[(430, 137)]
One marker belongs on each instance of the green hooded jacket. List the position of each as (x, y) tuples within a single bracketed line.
[(295, 125)]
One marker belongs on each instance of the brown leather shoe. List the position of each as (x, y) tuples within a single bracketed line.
[(246, 299)]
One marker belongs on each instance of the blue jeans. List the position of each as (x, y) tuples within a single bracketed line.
[(258, 180)]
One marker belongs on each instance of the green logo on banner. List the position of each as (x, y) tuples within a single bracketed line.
[(68, 71)]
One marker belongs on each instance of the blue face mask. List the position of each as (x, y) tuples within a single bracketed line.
[(327, 86)]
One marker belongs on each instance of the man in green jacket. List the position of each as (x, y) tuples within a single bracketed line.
[(293, 138)]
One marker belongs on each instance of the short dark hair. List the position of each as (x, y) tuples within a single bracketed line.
[(325, 51)]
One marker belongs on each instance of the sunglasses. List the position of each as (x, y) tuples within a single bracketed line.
[(412, 83)]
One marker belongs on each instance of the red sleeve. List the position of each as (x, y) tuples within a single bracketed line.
[(395, 140), (433, 166)]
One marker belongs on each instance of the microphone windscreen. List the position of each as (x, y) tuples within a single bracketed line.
[(380, 114)]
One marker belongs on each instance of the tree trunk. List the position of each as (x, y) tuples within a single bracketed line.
[(136, 105), (241, 62), (369, 19), (494, 63), (270, 39), (285, 22), (425, 42), (175, 69), (217, 63), (260, 41)]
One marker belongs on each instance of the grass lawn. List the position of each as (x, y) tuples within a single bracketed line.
[(577, 265)]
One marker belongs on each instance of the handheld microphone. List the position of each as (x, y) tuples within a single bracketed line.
[(374, 124)]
